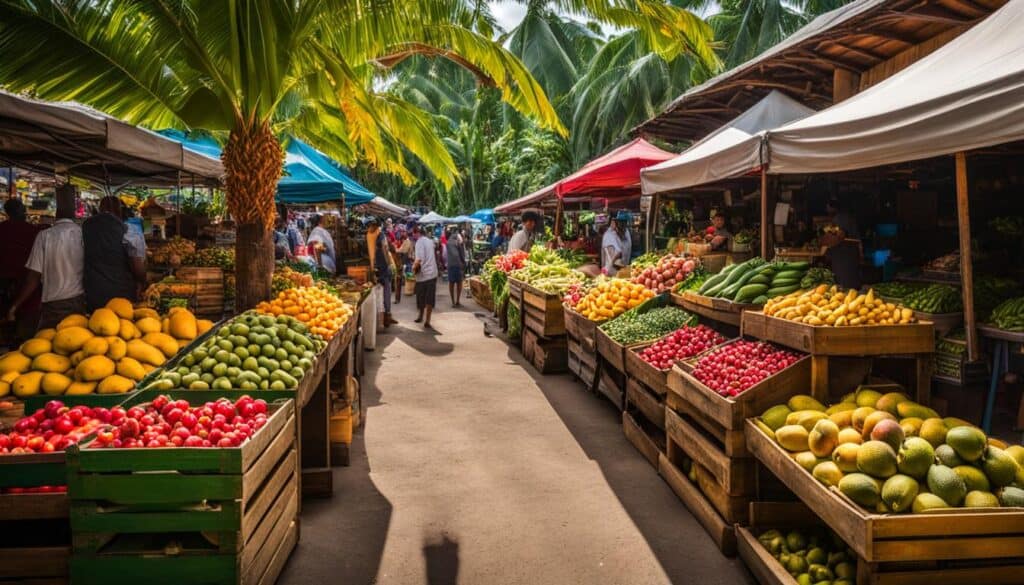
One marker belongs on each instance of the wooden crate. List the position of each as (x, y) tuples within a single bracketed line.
[(583, 364), (36, 541), (548, 356), (651, 377), (720, 310), (583, 329), (481, 293), (865, 340), (643, 438), (612, 352), (942, 322), (201, 515), (943, 535), (611, 385), (731, 412), (209, 283), (543, 312), (670, 467)]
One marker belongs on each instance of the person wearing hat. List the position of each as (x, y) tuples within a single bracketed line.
[(523, 239), (717, 234)]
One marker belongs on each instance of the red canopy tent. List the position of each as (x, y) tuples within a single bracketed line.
[(531, 200), (616, 174)]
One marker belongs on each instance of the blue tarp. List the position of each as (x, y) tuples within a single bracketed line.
[(484, 215), (310, 176)]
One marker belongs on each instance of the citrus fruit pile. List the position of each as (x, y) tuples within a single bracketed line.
[(321, 311), (612, 298)]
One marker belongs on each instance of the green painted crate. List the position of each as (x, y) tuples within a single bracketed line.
[(193, 515)]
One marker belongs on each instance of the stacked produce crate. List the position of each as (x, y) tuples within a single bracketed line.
[(581, 342), (209, 285), (544, 336), (481, 293), (706, 460), (218, 515)]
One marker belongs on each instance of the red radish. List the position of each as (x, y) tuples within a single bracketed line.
[(737, 366)]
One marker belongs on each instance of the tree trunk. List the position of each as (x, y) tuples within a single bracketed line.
[(253, 160)]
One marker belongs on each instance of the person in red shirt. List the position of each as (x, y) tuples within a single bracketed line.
[(18, 235)]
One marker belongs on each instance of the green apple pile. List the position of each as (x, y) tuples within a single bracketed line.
[(891, 455)]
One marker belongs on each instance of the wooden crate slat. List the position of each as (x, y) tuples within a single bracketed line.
[(33, 506), (257, 474), (32, 469), (153, 570), (257, 507), (977, 521), (611, 351), (760, 562), (1007, 573), (270, 533), (23, 563), (284, 550), (654, 379), (641, 440), (607, 386), (92, 517), (944, 547), (732, 441), (154, 488), (649, 405), (864, 340)]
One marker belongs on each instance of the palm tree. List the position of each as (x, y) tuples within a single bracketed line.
[(749, 27), (252, 68)]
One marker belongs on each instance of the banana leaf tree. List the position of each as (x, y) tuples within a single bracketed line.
[(252, 68)]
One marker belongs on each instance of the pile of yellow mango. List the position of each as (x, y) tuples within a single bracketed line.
[(612, 298), (835, 307), (106, 352)]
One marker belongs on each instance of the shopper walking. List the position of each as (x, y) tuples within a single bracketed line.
[(456, 256), (380, 261), (425, 268), (58, 261)]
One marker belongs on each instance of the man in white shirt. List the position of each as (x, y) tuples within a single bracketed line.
[(523, 239), (425, 267), (58, 260)]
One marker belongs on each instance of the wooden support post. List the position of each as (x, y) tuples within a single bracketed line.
[(844, 84), (559, 218), (819, 377), (966, 262), (765, 227)]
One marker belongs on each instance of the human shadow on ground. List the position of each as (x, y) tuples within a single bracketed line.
[(422, 340), (684, 550), (441, 554), (343, 537)]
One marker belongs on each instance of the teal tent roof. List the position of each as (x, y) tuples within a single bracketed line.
[(310, 176)]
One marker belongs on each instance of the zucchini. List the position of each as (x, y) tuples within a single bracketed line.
[(802, 266), (760, 300), (750, 292), (778, 291), (784, 282), (790, 275), (717, 279), (730, 291), (760, 279)]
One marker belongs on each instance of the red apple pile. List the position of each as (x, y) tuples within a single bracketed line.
[(175, 423), (55, 426), (680, 344), (737, 366), (668, 272)]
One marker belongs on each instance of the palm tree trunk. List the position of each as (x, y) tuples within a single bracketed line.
[(253, 161)]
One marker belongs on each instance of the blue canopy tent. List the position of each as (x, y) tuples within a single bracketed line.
[(484, 215), (310, 176)]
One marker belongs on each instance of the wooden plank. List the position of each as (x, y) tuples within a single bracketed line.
[(612, 351), (317, 482), (708, 312), (33, 506), (643, 443), (990, 547), (732, 441), (1008, 573), (764, 567), (649, 405), (257, 507), (270, 533), (610, 389), (722, 533), (963, 215), (734, 475), (284, 551), (35, 562), (254, 478), (158, 488), (863, 340)]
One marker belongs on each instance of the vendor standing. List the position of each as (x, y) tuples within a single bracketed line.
[(322, 240), (844, 252), (613, 247), (114, 265), (718, 236), (523, 239), (58, 260)]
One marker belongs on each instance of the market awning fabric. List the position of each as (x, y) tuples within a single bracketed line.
[(434, 217), (71, 139), (381, 206), (619, 170), (484, 215), (731, 151), (312, 177), (968, 94), (464, 219), (525, 201)]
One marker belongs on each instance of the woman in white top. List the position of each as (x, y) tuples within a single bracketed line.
[(319, 235), (612, 248)]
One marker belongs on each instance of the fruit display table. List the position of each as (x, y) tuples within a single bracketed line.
[(718, 310)]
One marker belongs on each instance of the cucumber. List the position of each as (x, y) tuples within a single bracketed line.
[(716, 280), (750, 292), (789, 275), (760, 279), (732, 290), (794, 265), (778, 282), (760, 300), (782, 290)]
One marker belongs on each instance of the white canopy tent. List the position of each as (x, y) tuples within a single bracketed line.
[(381, 206), (433, 217), (969, 94), (731, 151)]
